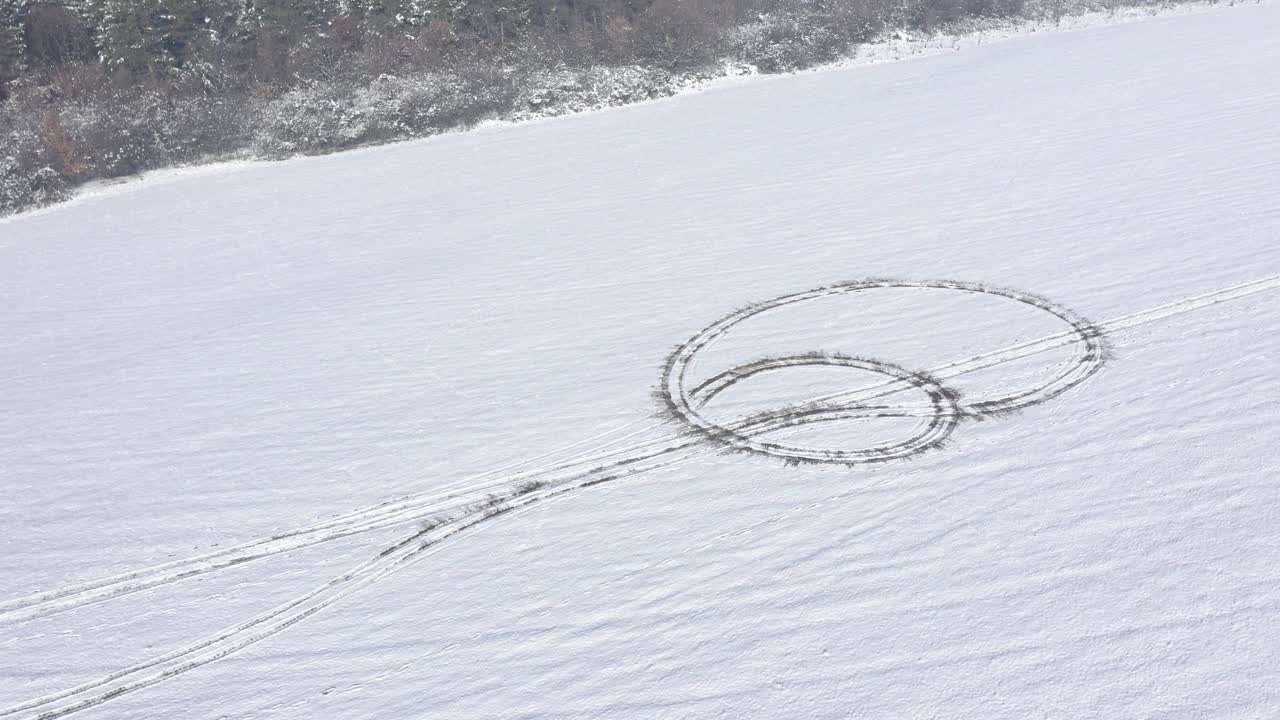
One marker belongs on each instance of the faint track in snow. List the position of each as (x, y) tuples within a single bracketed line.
[(502, 492)]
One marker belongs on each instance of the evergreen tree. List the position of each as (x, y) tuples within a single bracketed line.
[(374, 11), (495, 20), (276, 26), (417, 12), (372, 17), (291, 16), (121, 34), (12, 43), (91, 13), (176, 29)]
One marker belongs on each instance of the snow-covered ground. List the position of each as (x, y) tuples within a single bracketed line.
[(229, 398)]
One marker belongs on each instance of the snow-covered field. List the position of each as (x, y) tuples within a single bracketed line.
[(374, 435)]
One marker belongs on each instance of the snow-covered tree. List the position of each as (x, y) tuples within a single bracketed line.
[(12, 43), (136, 35), (497, 20), (176, 30), (290, 16)]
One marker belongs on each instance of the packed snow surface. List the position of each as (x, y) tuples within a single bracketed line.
[(617, 416)]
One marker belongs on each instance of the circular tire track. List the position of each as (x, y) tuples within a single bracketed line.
[(944, 414), (941, 415), (685, 404)]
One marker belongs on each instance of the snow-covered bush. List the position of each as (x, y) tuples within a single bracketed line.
[(566, 90), (23, 186), (27, 178), (781, 43), (138, 130), (324, 117)]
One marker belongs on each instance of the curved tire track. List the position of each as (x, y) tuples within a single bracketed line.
[(681, 404), (529, 487)]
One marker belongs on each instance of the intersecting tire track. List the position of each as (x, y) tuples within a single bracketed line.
[(533, 486), (682, 403), (238, 637), (417, 508)]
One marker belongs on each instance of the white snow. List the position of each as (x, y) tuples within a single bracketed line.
[(195, 365)]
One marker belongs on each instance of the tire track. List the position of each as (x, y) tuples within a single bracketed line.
[(417, 508), (947, 408), (262, 626), (522, 489)]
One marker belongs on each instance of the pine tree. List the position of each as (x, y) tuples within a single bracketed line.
[(374, 11), (175, 30), (122, 32), (136, 36), (12, 43), (291, 16), (497, 20), (417, 12), (276, 26), (91, 12)]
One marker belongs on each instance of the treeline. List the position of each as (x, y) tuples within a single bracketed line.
[(102, 88)]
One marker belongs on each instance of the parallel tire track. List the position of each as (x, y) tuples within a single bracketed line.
[(417, 508), (469, 507)]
